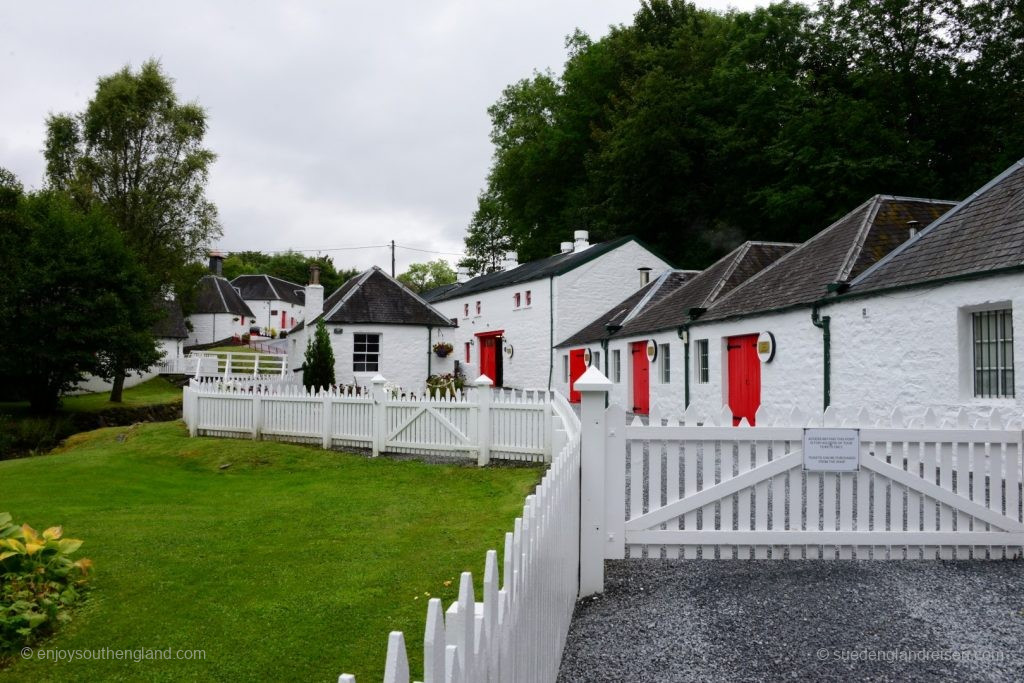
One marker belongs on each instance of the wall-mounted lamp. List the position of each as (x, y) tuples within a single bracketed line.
[(338, 330)]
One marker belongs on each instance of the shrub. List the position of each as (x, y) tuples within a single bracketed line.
[(318, 368), (39, 582)]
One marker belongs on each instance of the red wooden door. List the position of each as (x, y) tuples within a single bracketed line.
[(284, 320), (488, 353), (577, 366), (744, 378), (641, 378)]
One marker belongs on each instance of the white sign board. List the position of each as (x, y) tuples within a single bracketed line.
[(831, 450)]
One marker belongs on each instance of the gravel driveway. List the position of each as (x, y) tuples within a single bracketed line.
[(662, 620)]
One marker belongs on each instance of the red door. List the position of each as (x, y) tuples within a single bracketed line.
[(490, 355), (283, 320), (641, 378), (577, 366), (744, 378)]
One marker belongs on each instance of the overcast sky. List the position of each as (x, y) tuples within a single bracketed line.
[(336, 124)]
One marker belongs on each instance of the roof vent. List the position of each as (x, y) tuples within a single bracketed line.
[(314, 274), (566, 247), (510, 261), (912, 227), (645, 275), (462, 274), (581, 240)]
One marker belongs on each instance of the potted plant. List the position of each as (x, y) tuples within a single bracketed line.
[(442, 349)]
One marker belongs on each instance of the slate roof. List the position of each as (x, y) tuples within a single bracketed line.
[(171, 324), (269, 288), (985, 232), (717, 280), (436, 293), (838, 253), (373, 297), (216, 295), (558, 264), (646, 296)]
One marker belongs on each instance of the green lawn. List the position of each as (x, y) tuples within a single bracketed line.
[(151, 392), (293, 563)]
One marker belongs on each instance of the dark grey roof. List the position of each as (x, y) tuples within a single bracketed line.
[(375, 298), (558, 264), (717, 280), (269, 288), (171, 324), (643, 298), (985, 232), (838, 253), (216, 295), (435, 293)]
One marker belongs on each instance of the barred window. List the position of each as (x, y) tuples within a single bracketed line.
[(616, 366), (666, 361), (702, 361), (366, 353), (597, 360), (565, 368), (993, 353)]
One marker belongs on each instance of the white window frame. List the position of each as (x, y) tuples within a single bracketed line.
[(992, 353), (702, 356), (365, 362), (565, 368), (665, 363), (616, 366), (597, 360)]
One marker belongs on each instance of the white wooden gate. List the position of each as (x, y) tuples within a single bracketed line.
[(931, 491)]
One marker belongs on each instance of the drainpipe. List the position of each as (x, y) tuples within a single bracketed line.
[(551, 329), (684, 335), (823, 323), (604, 357), (430, 361)]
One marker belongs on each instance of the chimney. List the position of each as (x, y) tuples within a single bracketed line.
[(510, 261), (314, 305), (462, 275), (581, 240), (645, 275), (217, 263), (912, 229), (566, 248)]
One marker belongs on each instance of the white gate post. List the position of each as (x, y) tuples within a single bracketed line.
[(483, 386), (378, 383), (593, 387), (257, 415), (326, 423)]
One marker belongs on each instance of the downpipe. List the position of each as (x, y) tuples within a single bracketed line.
[(823, 322)]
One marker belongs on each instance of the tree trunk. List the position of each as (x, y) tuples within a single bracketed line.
[(117, 387)]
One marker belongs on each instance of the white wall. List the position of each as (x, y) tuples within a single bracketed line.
[(261, 310), (912, 348), (210, 327), (171, 348), (579, 296)]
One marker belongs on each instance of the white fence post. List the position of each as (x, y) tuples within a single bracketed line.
[(257, 415), (483, 385), (326, 421), (379, 409), (593, 387)]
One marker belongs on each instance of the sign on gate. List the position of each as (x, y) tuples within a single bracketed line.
[(831, 450)]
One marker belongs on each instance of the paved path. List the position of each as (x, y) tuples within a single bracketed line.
[(761, 620)]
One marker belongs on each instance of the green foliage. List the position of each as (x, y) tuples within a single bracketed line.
[(445, 385), (318, 368), (77, 293), (694, 129), (423, 276), (138, 152), (289, 265), (38, 582)]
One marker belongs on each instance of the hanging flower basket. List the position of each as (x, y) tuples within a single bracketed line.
[(442, 349)]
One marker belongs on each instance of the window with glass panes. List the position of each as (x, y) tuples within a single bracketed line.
[(993, 353), (366, 352), (666, 370), (616, 366), (702, 361)]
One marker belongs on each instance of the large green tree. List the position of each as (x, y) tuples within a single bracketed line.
[(289, 265), (423, 276), (138, 152), (73, 287), (695, 129)]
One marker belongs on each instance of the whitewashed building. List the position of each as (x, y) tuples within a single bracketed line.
[(219, 313), (938, 322), (276, 304), (639, 344), (510, 321), (376, 325), (765, 342)]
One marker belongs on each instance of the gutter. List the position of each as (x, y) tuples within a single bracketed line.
[(684, 335), (824, 324)]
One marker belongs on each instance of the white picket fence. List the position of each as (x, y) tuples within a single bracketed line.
[(518, 631), (226, 365), (691, 488), (479, 423)]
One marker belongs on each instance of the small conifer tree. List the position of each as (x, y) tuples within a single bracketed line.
[(318, 369)]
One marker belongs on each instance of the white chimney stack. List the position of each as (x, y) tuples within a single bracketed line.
[(566, 247), (462, 274), (314, 305), (581, 240), (510, 261)]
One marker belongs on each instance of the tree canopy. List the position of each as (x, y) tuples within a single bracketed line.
[(289, 265), (423, 276), (694, 129)]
